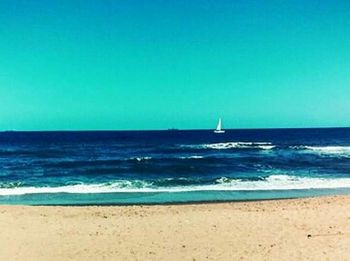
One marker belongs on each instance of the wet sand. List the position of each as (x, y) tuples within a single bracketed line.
[(297, 229)]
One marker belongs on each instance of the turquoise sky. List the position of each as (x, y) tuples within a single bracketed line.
[(161, 64)]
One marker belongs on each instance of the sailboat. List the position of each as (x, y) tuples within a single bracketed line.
[(218, 127)]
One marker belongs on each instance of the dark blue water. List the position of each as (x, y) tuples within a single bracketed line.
[(123, 167)]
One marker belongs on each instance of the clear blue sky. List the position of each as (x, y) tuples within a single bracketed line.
[(161, 64)]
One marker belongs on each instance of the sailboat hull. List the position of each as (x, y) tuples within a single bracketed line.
[(219, 131)]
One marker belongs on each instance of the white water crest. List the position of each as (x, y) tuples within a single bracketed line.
[(192, 157), (327, 150), (236, 145), (273, 182), (286, 182), (142, 158)]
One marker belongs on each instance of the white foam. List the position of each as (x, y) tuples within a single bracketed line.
[(286, 182), (266, 147), (330, 150), (237, 145), (273, 182), (193, 157), (142, 158)]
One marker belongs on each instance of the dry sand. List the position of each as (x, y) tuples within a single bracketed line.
[(265, 230)]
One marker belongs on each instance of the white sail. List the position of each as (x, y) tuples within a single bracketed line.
[(219, 127)]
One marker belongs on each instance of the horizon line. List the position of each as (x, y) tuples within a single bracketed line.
[(169, 129)]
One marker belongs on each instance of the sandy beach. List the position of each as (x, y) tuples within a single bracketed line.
[(297, 229)]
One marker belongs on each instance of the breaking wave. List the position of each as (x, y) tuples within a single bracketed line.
[(273, 182), (139, 159), (326, 150), (234, 145), (192, 157)]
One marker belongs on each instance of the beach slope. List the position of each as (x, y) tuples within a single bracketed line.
[(297, 229)]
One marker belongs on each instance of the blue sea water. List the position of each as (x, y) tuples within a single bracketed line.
[(130, 167)]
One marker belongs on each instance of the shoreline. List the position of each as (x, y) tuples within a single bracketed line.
[(180, 203), (316, 228), (185, 203), (163, 198)]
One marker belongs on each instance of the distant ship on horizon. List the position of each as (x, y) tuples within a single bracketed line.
[(219, 127)]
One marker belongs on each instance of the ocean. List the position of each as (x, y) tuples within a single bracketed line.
[(175, 166)]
